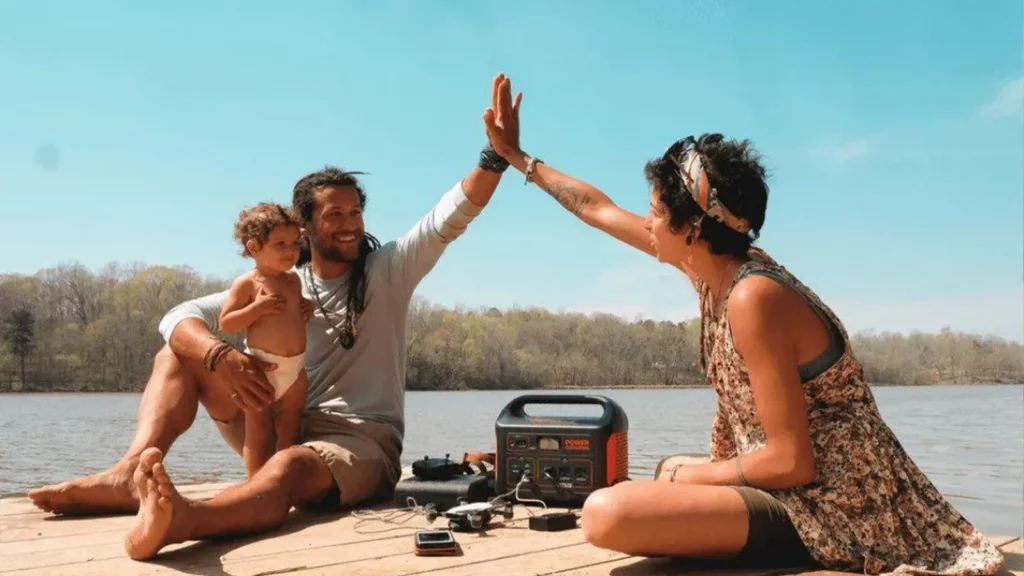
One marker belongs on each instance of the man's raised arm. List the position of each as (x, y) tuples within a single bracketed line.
[(416, 253), (582, 200)]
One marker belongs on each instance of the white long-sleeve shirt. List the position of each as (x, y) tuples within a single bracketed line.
[(366, 382)]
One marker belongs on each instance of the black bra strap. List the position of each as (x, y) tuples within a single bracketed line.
[(837, 346)]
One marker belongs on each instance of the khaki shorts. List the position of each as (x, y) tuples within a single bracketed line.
[(363, 457)]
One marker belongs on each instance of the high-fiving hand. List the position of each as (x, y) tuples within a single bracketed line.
[(501, 119)]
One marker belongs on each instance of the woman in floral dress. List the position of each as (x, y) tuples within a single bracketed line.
[(804, 471)]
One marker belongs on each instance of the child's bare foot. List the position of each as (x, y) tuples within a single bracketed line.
[(109, 491), (161, 509)]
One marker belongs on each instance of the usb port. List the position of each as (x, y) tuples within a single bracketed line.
[(564, 475)]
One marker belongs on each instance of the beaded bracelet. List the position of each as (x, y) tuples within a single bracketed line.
[(530, 167), (215, 354)]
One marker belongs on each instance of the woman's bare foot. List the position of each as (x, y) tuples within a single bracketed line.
[(161, 509), (107, 492)]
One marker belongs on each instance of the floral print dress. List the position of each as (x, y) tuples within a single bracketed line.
[(869, 507)]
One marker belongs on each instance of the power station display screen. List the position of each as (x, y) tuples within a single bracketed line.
[(547, 443)]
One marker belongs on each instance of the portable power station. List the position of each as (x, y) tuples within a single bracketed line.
[(563, 458)]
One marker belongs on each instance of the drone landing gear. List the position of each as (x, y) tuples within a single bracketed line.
[(475, 515)]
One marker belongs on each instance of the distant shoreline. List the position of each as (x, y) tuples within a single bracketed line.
[(552, 389), (70, 329)]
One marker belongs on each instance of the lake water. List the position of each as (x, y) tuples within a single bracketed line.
[(969, 440)]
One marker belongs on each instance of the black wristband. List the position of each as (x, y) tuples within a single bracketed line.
[(491, 160)]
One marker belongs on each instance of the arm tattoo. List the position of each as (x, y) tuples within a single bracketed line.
[(567, 195)]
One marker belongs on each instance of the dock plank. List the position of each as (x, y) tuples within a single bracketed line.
[(358, 543), (1012, 548), (58, 527), (387, 552), (536, 562), (335, 545), (1013, 554), (1001, 541), (475, 552), (18, 505), (633, 566), (301, 530)]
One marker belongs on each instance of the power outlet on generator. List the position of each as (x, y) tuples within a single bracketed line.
[(565, 474)]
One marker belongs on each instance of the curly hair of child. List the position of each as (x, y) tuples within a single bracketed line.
[(256, 223)]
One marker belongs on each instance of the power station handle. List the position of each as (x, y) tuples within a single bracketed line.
[(516, 406)]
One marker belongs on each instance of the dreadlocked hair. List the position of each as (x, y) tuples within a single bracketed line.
[(304, 205)]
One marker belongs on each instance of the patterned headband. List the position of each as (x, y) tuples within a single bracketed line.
[(695, 179)]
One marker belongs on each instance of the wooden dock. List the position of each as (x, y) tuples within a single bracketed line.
[(32, 543)]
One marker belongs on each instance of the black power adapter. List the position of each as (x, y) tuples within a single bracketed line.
[(553, 522)]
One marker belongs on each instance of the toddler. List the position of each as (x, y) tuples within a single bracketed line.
[(267, 304)]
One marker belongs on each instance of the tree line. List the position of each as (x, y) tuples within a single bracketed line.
[(68, 328)]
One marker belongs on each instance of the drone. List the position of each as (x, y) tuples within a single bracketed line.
[(473, 515)]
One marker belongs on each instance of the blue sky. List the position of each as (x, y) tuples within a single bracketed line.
[(892, 131)]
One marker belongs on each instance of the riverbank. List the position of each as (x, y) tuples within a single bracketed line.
[(98, 333)]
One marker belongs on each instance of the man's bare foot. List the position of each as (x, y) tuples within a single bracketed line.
[(161, 509), (106, 492)]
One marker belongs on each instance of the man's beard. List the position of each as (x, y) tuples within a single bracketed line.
[(332, 254)]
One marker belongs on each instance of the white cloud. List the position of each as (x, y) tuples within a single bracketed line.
[(1009, 102), (848, 151)]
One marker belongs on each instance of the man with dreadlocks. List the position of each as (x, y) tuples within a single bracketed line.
[(353, 423)]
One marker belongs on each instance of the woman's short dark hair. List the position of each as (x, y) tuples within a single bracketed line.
[(734, 170)]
